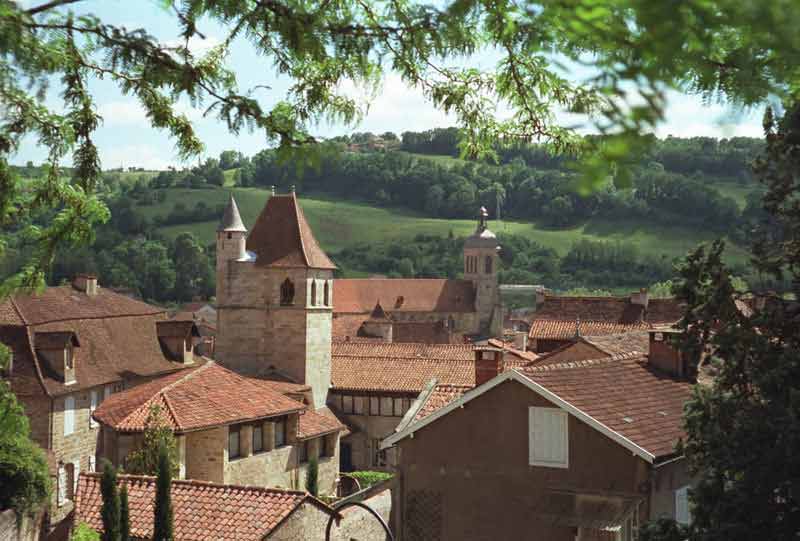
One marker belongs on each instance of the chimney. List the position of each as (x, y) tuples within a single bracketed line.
[(86, 283), (379, 325), (488, 363), (640, 297), (663, 354), (540, 297), (521, 341)]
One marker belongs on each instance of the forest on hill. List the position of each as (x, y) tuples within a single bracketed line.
[(158, 242)]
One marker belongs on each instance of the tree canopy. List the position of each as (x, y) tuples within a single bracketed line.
[(635, 51)]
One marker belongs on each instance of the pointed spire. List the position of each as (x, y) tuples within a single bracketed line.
[(231, 220), (378, 312)]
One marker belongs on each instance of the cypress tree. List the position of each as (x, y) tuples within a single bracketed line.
[(312, 476), (124, 515), (162, 524), (110, 512)]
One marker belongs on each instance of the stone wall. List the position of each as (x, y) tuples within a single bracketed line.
[(205, 454), (665, 481), (465, 322), (37, 409), (368, 427), (27, 528)]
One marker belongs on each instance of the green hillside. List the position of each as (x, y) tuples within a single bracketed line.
[(339, 224)]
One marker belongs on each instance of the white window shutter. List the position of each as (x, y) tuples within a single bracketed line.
[(682, 513), (69, 415), (62, 484), (548, 437), (93, 397), (92, 463), (77, 469)]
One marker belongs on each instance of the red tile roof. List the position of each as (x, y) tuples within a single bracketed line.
[(281, 237), (404, 367), (318, 423), (202, 511), (427, 332), (357, 295), (556, 318), (63, 303), (210, 395), (441, 395), (512, 355), (625, 394)]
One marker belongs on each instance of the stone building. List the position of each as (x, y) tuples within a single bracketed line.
[(558, 319), (274, 297), (229, 429), (588, 451), (72, 347), (429, 310), (375, 385)]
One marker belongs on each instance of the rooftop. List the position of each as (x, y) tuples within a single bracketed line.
[(231, 219), (201, 510), (359, 295), (281, 237), (210, 395)]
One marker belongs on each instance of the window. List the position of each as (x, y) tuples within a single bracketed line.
[(328, 445), (94, 397), (358, 405), (326, 292), (386, 406), (374, 405), (347, 404), (68, 357), (69, 415), (107, 391), (548, 437), (92, 463), (303, 450), (230, 235), (287, 293), (399, 410), (488, 265), (280, 432), (313, 293), (378, 456), (258, 438), (233, 442), (66, 483), (682, 513)]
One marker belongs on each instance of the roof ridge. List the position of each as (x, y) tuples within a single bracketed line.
[(297, 212), (566, 365), (197, 482), (17, 309)]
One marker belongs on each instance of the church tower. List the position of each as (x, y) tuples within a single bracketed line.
[(480, 267), (275, 300), (231, 238)]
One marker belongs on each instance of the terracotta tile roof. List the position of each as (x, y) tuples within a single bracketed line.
[(623, 393), (202, 511), (210, 395), (512, 355), (628, 342), (281, 237), (65, 303), (26, 378), (427, 332), (357, 295), (556, 318), (55, 340), (318, 423), (177, 328), (404, 368), (442, 395)]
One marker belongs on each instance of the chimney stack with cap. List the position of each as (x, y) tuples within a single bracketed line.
[(86, 283), (640, 297), (664, 356)]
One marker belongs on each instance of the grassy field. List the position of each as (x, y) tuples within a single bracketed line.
[(737, 192), (338, 224)]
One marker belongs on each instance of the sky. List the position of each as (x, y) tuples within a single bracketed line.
[(126, 139)]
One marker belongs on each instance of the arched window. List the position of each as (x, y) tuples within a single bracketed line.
[(287, 292), (313, 292), (488, 264), (326, 291)]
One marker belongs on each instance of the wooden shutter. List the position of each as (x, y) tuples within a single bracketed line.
[(69, 415), (548, 438), (62, 484)]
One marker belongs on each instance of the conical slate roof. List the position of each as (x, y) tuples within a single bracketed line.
[(281, 237), (231, 220)]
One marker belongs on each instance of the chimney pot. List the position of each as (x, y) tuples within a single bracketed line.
[(86, 283)]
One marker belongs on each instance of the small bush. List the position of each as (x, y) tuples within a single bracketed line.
[(369, 478)]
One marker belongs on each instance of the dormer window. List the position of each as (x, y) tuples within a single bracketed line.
[(287, 293), (57, 349)]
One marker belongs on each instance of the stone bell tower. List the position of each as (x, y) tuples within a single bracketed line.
[(480, 267), (275, 297)]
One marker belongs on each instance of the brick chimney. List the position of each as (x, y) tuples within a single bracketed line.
[(86, 283), (663, 354), (640, 297), (488, 363)]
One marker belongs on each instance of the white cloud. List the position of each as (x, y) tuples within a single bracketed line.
[(197, 46), (130, 113), (137, 155)]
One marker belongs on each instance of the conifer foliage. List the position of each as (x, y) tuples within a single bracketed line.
[(312, 477), (110, 511), (162, 520), (124, 515)]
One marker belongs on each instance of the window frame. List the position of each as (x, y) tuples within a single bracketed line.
[(327, 451), (376, 411), (260, 439), (387, 406), (348, 404), (532, 460), (395, 402), (235, 429), (313, 292), (69, 413), (279, 428), (682, 492)]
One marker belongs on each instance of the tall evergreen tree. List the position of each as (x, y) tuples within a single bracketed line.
[(124, 515), (110, 511), (312, 477), (162, 523)]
